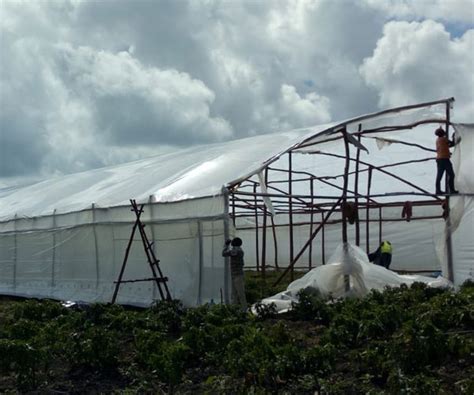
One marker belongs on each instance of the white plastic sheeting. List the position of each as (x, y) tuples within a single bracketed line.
[(82, 262), (462, 208), (347, 260), (185, 174)]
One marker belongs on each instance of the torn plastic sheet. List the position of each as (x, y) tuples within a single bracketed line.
[(364, 276), (266, 199)]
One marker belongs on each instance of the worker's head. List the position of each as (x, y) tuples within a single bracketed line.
[(440, 132), (237, 242), (385, 241)]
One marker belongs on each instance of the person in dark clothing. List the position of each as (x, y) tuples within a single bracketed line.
[(233, 250), (443, 161), (383, 255)]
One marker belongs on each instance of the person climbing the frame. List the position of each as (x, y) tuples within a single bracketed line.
[(233, 249), (383, 255), (443, 161)]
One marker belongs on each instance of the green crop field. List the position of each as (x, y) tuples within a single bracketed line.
[(406, 340)]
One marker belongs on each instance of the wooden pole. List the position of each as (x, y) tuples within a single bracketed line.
[(53, 265), (449, 243), (311, 189), (127, 252), (367, 227), (275, 242), (344, 202), (264, 230), (380, 224), (226, 291), (356, 190), (257, 249), (323, 240), (290, 193), (303, 249)]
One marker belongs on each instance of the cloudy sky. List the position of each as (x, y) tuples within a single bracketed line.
[(88, 83)]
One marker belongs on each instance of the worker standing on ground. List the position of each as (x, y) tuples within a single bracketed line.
[(383, 255), (233, 249), (443, 161)]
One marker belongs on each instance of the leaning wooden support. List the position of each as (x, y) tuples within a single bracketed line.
[(303, 249), (127, 252)]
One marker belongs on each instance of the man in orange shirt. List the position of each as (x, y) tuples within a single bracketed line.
[(443, 162)]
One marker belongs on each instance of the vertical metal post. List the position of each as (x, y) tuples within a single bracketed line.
[(257, 247), (225, 196), (290, 207)]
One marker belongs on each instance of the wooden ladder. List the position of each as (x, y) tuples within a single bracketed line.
[(158, 277)]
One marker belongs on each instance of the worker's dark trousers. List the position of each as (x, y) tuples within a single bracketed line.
[(385, 260), (444, 165)]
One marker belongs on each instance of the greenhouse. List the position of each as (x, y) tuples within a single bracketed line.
[(292, 197)]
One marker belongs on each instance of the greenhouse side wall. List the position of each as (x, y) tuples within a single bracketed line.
[(78, 256)]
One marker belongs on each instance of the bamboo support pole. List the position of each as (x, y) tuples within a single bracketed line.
[(275, 242), (356, 190), (264, 231), (380, 225), (347, 284), (311, 192), (257, 248), (290, 193), (449, 244), (367, 226), (323, 240)]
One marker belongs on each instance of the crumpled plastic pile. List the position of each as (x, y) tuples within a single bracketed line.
[(329, 280)]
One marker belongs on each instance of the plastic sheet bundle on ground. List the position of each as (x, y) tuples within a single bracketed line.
[(348, 260)]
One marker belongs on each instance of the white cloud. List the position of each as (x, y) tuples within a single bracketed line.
[(415, 62), (447, 10), (311, 109), (88, 83), (177, 106)]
